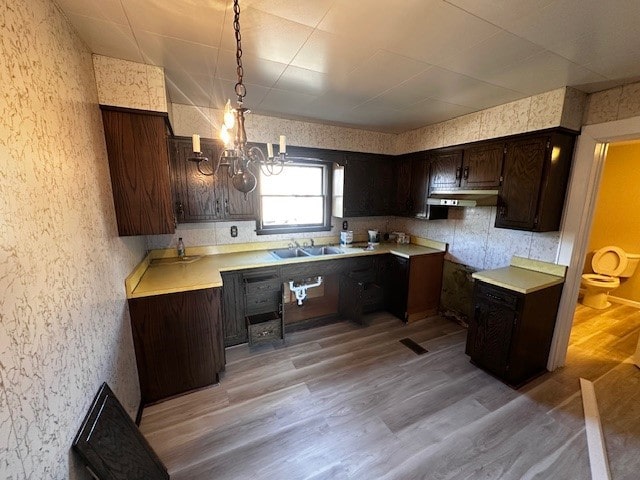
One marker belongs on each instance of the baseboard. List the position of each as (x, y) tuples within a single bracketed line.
[(619, 300), (624, 301)]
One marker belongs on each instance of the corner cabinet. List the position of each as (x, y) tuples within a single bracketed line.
[(202, 198), (534, 182), (510, 333), (136, 143), (178, 341)]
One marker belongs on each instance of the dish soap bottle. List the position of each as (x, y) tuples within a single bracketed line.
[(180, 248)]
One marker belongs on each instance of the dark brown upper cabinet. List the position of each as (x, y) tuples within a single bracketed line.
[(201, 198), (445, 170), (472, 168), (412, 184), (136, 143), (535, 176), (369, 183)]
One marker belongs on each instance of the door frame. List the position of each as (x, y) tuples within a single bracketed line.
[(582, 194)]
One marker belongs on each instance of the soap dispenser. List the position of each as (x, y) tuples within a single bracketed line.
[(180, 248)]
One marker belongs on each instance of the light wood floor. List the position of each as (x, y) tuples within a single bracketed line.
[(343, 401)]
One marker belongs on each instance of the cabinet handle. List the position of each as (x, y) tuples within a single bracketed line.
[(179, 209), (503, 210), (226, 206), (466, 173), (458, 173), (217, 206)]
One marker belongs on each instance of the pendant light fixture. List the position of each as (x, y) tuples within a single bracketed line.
[(239, 157)]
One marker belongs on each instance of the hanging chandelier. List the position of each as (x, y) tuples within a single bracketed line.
[(240, 157)]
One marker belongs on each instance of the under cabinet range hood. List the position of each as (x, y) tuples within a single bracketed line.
[(464, 198)]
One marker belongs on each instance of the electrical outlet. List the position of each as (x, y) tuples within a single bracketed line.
[(234, 231), (345, 225)]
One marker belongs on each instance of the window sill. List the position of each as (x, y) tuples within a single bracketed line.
[(292, 229)]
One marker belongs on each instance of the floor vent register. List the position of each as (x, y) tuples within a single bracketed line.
[(407, 342)]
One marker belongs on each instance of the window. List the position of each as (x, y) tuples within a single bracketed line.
[(296, 200)]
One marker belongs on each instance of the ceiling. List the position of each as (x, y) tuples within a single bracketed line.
[(380, 65)]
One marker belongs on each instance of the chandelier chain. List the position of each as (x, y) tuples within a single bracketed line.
[(240, 89)]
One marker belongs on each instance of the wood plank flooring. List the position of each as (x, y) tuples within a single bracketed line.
[(347, 402)]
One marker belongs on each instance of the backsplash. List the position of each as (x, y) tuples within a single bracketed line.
[(475, 242), (219, 233)]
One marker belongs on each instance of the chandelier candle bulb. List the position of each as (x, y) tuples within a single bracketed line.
[(196, 142), (269, 150), (283, 144)]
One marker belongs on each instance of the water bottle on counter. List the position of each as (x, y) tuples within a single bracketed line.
[(180, 248)]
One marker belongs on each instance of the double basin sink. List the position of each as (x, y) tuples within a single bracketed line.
[(305, 252)]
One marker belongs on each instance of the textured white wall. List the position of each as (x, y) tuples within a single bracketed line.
[(64, 325), (472, 239)]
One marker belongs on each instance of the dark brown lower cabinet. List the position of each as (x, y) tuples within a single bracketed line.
[(414, 285), (178, 342), (234, 325), (510, 333)]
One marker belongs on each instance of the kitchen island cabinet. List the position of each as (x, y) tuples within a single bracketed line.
[(178, 342), (139, 166)]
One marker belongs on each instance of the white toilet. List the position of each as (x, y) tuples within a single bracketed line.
[(610, 264)]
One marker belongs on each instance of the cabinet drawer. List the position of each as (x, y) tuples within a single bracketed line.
[(489, 293), (261, 287), (267, 301), (264, 328)]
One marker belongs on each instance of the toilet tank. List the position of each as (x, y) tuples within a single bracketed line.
[(632, 262)]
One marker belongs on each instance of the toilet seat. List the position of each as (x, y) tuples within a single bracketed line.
[(596, 280), (610, 261)]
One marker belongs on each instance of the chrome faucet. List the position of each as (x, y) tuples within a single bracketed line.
[(294, 243), (312, 242)]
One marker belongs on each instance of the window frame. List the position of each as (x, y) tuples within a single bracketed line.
[(327, 180)]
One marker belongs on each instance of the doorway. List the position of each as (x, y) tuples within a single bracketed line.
[(586, 174)]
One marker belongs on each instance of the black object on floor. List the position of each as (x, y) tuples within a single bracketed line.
[(407, 342)]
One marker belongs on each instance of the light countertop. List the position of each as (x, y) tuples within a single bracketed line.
[(170, 275), (524, 275)]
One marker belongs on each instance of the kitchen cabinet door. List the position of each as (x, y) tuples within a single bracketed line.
[(522, 178), (445, 170), (233, 313), (139, 166), (197, 197), (202, 198), (358, 191), (398, 286), (178, 341), (419, 186), (482, 166), (492, 328), (369, 182), (235, 205), (535, 177), (510, 333)]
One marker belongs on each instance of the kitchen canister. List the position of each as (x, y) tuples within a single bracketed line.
[(346, 237)]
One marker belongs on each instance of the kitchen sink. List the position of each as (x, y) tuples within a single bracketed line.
[(323, 250), (290, 253)]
